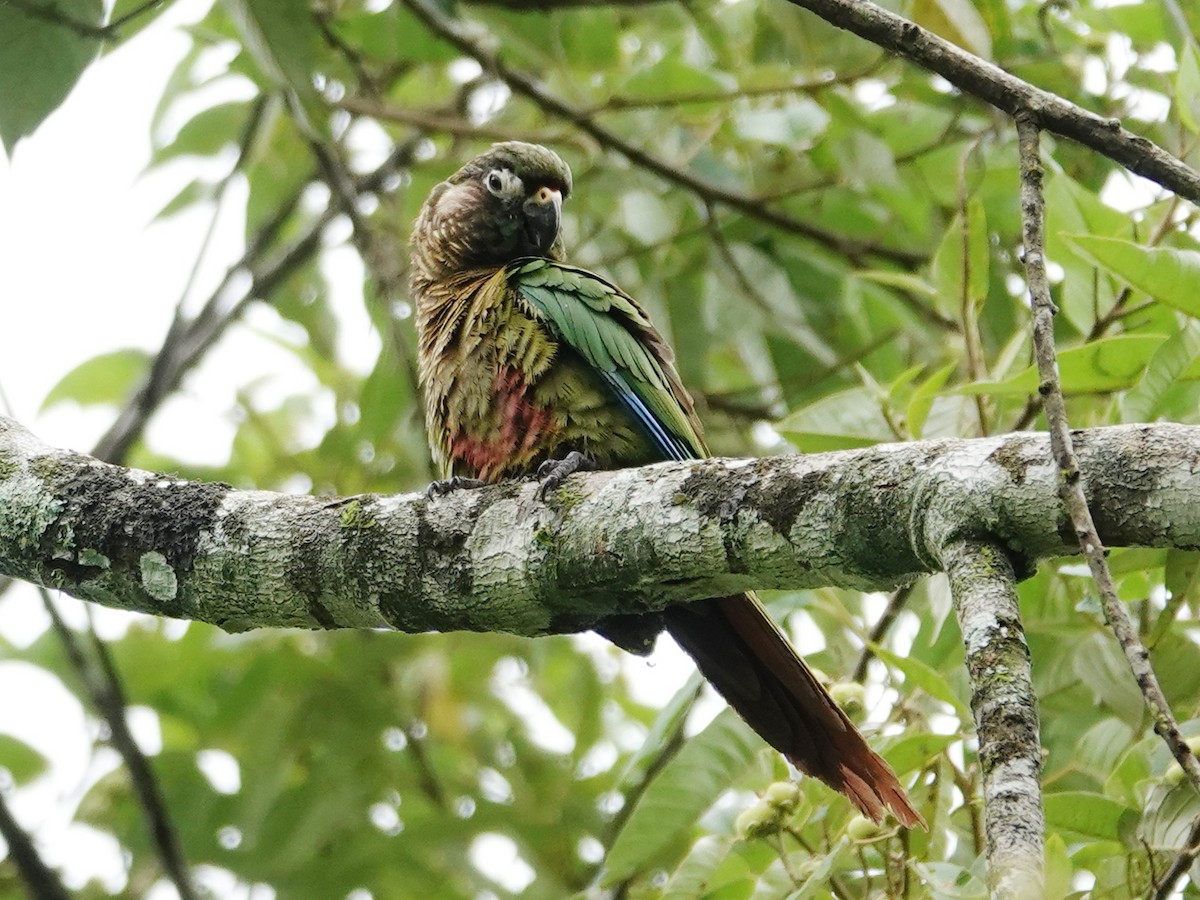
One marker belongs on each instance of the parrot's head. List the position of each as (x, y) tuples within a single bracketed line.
[(502, 205)]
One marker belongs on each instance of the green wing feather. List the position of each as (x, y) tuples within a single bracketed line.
[(613, 334)]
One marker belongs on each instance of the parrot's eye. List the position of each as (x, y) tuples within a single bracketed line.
[(503, 183)]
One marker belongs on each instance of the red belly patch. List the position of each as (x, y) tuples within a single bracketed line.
[(516, 433)]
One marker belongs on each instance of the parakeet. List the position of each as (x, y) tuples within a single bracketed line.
[(528, 362)]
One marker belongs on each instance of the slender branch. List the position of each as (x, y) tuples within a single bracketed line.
[(49, 12), (100, 680), (896, 602), (532, 89), (1010, 755), (1009, 93), (186, 344), (41, 882), (1071, 485)]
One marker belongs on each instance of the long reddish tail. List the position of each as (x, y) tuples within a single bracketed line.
[(748, 660)]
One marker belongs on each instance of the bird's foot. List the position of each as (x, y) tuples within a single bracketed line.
[(449, 485), (553, 472)]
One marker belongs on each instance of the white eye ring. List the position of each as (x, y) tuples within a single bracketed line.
[(503, 183)]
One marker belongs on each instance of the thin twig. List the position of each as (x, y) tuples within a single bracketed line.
[(100, 680), (41, 882), (49, 12), (969, 305), (879, 630), (1070, 482)]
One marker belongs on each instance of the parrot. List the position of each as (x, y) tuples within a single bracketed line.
[(530, 366)]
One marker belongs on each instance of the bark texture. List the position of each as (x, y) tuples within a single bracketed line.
[(496, 559)]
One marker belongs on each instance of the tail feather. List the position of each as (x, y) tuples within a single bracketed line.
[(748, 660)]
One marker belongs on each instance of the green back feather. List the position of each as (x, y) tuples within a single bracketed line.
[(613, 334)]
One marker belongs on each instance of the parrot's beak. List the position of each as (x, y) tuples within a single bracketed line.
[(543, 217)]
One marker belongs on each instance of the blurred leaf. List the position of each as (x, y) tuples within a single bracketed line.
[(842, 421), (690, 784), (105, 379), (207, 133), (282, 38), (694, 876), (957, 21), (799, 122), (915, 751), (40, 61), (1187, 87), (1110, 364), (21, 761), (1166, 274), (1092, 815), (961, 263), (928, 679), (1142, 402), (923, 397)]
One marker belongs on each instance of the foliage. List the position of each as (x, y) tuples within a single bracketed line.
[(881, 299)]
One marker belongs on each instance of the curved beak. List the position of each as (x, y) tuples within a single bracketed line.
[(543, 217)]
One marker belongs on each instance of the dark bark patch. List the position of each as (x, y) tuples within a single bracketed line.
[(781, 500), (111, 513), (1013, 457)]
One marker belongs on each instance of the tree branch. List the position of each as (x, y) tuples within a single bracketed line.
[(1009, 93), (41, 882), (628, 541), (103, 686), (1006, 720)]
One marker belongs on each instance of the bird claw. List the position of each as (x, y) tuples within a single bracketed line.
[(449, 485), (553, 472)]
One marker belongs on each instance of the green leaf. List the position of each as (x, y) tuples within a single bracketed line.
[(924, 676), (1084, 813), (1143, 401), (1112, 364), (841, 421), (22, 761), (142, 15), (671, 76), (1059, 871), (282, 38), (923, 397), (40, 61), (962, 261), (957, 21), (1187, 88), (686, 787), (1168, 275), (1181, 577), (694, 876), (207, 133), (914, 751), (905, 281), (104, 379), (195, 191)]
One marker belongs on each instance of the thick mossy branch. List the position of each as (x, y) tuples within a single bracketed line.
[(496, 559), (1006, 720)]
